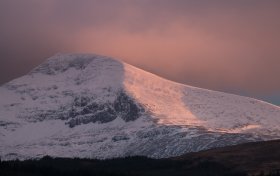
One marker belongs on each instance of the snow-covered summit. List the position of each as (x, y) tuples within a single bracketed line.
[(85, 105)]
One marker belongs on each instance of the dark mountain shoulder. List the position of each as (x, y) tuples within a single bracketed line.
[(254, 158)]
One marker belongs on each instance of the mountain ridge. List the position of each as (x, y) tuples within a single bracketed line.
[(81, 105)]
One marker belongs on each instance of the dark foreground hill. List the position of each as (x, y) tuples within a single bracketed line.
[(261, 158)]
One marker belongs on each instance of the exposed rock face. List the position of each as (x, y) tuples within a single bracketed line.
[(126, 108), (53, 67), (85, 111)]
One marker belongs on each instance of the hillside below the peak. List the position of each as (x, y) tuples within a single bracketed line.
[(91, 106), (254, 159)]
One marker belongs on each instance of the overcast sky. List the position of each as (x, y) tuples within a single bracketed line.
[(231, 46)]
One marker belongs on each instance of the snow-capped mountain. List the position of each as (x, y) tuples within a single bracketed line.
[(77, 105)]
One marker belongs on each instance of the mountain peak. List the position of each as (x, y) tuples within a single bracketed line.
[(62, 62), (86, 105)]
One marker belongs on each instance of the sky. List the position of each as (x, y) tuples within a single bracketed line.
[(229, 46)]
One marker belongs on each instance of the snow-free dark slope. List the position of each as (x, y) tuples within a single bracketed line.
[(76, 105)]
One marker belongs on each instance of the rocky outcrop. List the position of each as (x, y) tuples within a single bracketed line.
[(84, 110), (58, 64)]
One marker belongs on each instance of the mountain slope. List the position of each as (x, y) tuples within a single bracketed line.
[(76, 105)]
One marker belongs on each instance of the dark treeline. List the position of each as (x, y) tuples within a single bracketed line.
[(254, 159), (132, 166)]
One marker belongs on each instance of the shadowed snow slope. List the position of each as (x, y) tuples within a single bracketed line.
[(77, 105)]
